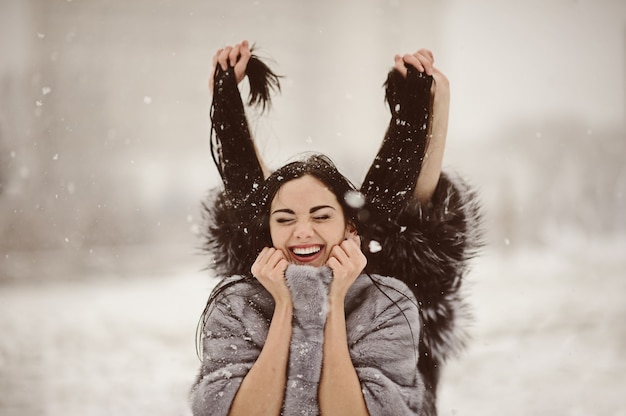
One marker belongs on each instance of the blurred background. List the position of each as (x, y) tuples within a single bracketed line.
[(104, 160)]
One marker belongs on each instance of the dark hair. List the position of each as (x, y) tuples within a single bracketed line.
[(254, 215), (316, 165)]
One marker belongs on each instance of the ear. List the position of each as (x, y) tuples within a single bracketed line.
[(350, 230)]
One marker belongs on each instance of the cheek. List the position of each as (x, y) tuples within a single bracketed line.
[(335, 234), (278, 236)]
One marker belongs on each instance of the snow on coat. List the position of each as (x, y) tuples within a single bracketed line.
[(383, 324)]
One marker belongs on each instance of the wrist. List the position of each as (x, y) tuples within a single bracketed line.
[(283, 305), (335, 303)]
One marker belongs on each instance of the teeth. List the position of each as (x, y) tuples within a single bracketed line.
[(303, 251)]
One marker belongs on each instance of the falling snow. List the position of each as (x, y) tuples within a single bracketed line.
[(125, 328), (374, 246), (355, 199)]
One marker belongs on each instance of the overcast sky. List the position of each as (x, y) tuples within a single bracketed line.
[(536, 59)]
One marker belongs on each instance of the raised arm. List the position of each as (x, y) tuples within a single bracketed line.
[(234, 152), (408, 163), (428, 177)]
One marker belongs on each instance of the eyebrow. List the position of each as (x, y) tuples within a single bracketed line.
[(311, 211)]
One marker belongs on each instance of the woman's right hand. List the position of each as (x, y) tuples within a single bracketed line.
[(236, 56), (269, 269)]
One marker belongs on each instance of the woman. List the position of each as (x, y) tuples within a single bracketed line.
[(299, 326)]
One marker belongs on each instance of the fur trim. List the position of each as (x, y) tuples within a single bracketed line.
[(225, 237), (428, 248), (309, 291)]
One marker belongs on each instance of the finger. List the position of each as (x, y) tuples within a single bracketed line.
[(333, 264), (282, 266), (426, 62), (356, 238), (223, 57), (213, 66), (339, 253), (215, 56), (275, 257), (256, 261), (233, 55), (351, 246), (427, 53), (264, 252), (413, 61), (261, 259), (244, 57), (352, 253), (399, 65)]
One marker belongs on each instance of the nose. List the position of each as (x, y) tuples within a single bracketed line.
[(303, 230)]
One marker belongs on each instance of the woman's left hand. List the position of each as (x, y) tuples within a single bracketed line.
[(423, 61), (347, 261)]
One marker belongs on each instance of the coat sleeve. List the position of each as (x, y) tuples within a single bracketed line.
[(234, 334), (231, 143), (226, 213), (390, 180), (383, 332)]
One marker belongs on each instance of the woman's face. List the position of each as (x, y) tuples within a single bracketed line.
[(306, 221)]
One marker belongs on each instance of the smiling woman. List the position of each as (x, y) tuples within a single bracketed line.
[(328, 303), (307, 221)]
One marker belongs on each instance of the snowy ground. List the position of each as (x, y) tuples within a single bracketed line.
[(549, 339)]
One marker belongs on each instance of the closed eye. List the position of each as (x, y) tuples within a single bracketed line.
[(321, 217)]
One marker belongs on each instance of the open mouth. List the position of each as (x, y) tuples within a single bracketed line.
[(306, 254)]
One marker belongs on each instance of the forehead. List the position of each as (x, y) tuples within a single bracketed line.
[(305, 192)]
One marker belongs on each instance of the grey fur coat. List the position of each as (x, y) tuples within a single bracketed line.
[(383, 324)]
